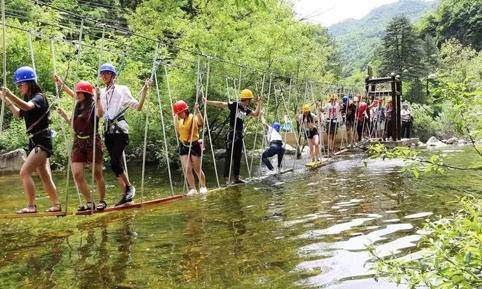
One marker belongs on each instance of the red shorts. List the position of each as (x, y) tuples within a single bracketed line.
[(82, 152)]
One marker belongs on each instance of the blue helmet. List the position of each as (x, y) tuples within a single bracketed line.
[(276, 126), (25, 73), (345, 99), (107, 67)]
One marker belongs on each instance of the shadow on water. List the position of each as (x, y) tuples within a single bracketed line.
[(305, 229)]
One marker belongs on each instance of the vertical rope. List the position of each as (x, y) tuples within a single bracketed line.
[(234, 128), (292, 123), (256, 134), (94, 137), (264, 139), (67, 143), (32, 54), (163, 127), (79, 50), (4, 40), (244, 143), (204, 93), (198, 80), (146, 128), (144, 149), (207, 127)]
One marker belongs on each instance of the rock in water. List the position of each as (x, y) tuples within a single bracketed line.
[(452, 140), (434, 142), (12, 161)]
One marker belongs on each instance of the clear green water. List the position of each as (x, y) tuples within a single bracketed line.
[(307, 229)]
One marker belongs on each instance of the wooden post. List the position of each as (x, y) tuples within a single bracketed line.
[(397, 121), (398, 92)]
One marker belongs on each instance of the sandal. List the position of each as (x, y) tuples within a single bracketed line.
[(54, 209), (28, 210), (101, 206), (87, 207)]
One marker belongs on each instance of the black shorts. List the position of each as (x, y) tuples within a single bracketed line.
[(310, 133), (331, 127), (195, 149), (41, 141)]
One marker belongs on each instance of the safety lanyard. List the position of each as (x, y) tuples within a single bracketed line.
[(108, 100)]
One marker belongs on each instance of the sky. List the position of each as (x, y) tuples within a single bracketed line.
[(328, 12)]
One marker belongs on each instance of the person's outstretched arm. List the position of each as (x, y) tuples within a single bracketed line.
[(19, 103), (218, 104), (144, 90), (61, 84)]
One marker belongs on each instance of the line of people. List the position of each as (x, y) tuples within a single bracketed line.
[(370, 121), (113, 100), (110, 103)]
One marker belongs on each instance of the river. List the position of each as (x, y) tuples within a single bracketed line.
[(306, 229)]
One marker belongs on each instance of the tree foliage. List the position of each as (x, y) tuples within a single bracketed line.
[(239, 39), (357, 40), (459, 19), (401, 51)]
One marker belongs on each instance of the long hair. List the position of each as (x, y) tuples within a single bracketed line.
[(33, 88), (308, 118), (85, 105)]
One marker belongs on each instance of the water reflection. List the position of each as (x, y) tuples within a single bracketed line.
[(307, 229)]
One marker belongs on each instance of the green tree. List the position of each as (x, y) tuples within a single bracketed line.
[(459, 19), (401, 51)]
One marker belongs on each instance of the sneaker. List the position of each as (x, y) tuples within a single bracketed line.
[(101, 206), (130, 192), (192, 192), (124, 202), (203, 190)]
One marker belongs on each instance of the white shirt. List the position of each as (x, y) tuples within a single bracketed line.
[(116, 99), (406, 114), (273, 135)]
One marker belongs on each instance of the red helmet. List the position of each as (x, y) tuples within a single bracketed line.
[(180, 106), (84, 86)]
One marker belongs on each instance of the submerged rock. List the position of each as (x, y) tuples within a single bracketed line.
[(12, 161)]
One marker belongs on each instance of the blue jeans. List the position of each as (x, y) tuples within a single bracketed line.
[(275, 148)]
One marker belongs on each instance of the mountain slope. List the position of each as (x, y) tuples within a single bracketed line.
[(357, 40)]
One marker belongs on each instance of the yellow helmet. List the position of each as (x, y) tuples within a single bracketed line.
[(246, 94), (306, 108), (333, 97)]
